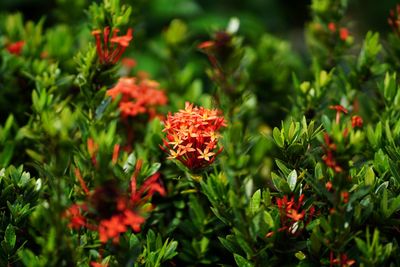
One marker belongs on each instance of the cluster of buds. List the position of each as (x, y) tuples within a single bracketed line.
[(219, 50), (394, 19), (356, 120), (139, 96), (192, 136), (93, 148), (330, 147), (219, 47), (293, 216), (342, 31), (329, 158), (111, 212), (342, 260), (111, 49)]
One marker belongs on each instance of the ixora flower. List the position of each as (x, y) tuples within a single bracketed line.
[(344, 34), (192, 136), (111, 212), (339, 109), (294, 217), (139, 96), (16, 48), (356, 121), (111, 49)]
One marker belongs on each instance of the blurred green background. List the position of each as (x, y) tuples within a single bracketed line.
[(151, 19), (276, 16)]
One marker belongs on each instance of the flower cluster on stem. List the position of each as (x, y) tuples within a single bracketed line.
[(16, 48), (138, 96), (111, 212), (111, 49), (192, 136), (293, 215)]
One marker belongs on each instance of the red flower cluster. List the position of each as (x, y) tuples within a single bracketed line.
[(139, 96), (394, 19), (126, 210), (192, 136), (356, 121), (293, 216), (343, 32), (16, 48), (110, 53)]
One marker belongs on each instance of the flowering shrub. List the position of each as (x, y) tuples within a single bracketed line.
[(242, 149)]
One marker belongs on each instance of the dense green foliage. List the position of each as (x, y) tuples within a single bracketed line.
[(285, 158)]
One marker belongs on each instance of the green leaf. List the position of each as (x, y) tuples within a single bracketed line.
[(285, 170), (170, 250), (280, 183), (242, 262), (102, 107), (382, 186), (229, 245), (369, 176), (278, 137), (6, 154), (130, 163), (268, 219), (384, 204), (300, 255), (389, 86), (292, 179), (315, 242), (244, 245), (393, 169), (154, 168), (369, 51), (318, 171), (394, 205), (255, 201), (133, 241), (361, 245), (10, 237)]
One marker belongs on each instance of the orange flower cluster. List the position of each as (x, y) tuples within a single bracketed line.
[(293, 216), (112, 213), (110, 54), (139, 96), (192, 136)]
